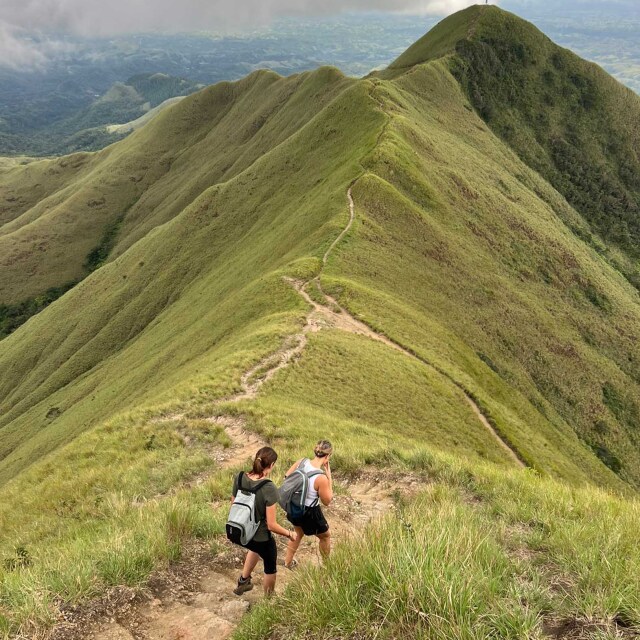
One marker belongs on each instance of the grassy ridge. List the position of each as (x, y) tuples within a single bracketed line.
[(114, 526), (458, 255), (384, 401), (459, 252), (446, 566), (566, 118), (214, 272), (57, 212)]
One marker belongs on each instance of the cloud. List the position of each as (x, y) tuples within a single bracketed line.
[(100, 18), (23, 23), (17, 52), (19, 49)]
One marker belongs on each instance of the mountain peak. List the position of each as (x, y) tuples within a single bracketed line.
[(473, 22)]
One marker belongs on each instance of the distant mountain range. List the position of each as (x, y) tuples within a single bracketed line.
[(28, 130), (50, 110)]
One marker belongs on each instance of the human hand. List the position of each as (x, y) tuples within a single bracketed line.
[(293, 536)]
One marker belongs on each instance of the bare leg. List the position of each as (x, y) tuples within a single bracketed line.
[(324, 540), (250, 563), (292, 547), (269, 583)]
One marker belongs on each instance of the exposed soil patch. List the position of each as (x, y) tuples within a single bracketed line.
[(570, 628), (194, 600)]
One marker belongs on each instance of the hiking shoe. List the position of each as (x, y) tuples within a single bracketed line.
[(243, 586), (292, 565)]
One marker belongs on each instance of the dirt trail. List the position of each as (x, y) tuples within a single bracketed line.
[(334, 316), (253, 379), (244, 443), (209, 610)]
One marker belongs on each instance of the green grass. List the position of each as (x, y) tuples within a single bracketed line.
[(453, 256), (224, 289), (397, 581), (401, 405), (566, 118), (446, 566), (459, 252), (61, 210), (72, 539), (13, 315)]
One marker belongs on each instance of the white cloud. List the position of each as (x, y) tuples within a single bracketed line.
[(99, 18), (19, 49)]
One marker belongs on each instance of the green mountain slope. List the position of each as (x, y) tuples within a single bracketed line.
[(565, 117), (500, 321), (188, 259), (63, 219)]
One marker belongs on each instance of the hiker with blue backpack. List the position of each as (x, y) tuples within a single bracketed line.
[(252, 520), (307, 484)]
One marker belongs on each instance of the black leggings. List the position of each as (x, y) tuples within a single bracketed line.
[(268, 551)]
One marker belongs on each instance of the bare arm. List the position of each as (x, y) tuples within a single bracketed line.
[(325, 489), (273, 525), (292, 468)]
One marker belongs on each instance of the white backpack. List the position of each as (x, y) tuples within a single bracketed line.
[(242, 523)]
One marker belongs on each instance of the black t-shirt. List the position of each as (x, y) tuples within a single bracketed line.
[(265, 497)]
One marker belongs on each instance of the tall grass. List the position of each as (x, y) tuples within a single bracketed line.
[(443, 566), (432, 570)]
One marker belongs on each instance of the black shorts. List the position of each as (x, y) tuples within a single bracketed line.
[(312, 522), (268, 551)]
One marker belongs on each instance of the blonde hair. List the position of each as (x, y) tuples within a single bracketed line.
[(323, 448)]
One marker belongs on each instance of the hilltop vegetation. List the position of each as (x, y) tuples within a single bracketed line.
[(566, 118), (192, 230)]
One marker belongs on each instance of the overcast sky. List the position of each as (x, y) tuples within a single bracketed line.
[(101, 17), (47, 19)]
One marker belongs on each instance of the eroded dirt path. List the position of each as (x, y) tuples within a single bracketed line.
[(194, 600), (207, 609)]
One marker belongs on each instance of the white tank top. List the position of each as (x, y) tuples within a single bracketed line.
[(312, 493)]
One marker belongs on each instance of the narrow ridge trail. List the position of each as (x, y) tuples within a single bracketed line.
[(321, 316), (206, 608), (335, 316)]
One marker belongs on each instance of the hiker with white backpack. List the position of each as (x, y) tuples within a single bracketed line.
[(252, 520), (307, 484)]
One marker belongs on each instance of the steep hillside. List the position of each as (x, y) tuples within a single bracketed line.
[(188, 260), (364, 260), (565, 117), (63, 219)]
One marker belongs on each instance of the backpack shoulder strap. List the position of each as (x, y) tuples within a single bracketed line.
[(239, 482), (258, 486)]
